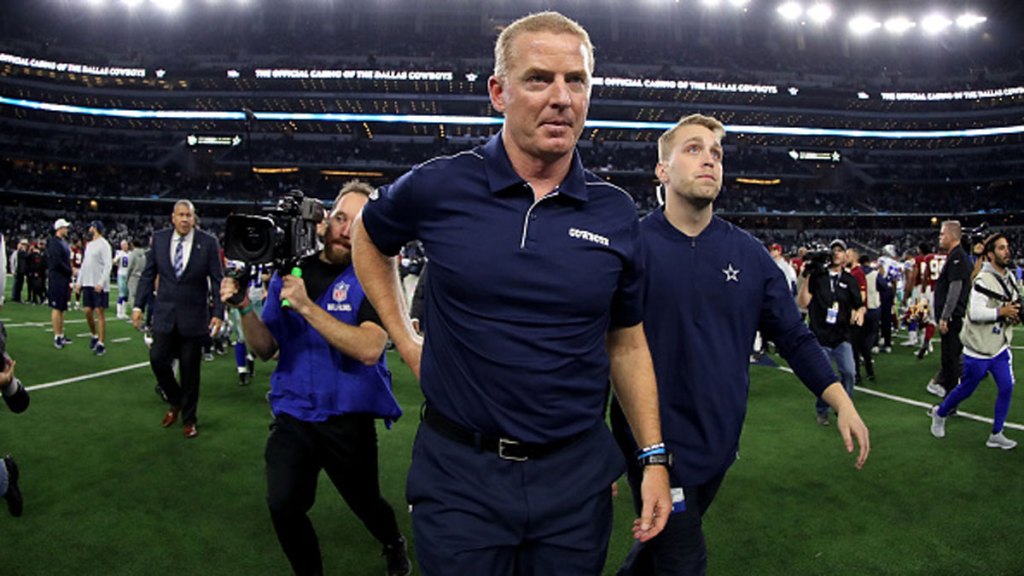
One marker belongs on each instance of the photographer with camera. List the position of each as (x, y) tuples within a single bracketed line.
[(995, 306), (17, 400), (330, 384), (188, 264), (832, 298)]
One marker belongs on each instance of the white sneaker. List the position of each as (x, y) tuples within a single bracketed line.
[(909, 343), (1000, 441), (934, 388), (938, 423)]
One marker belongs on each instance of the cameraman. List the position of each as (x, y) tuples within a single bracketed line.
[(994, 310), (330, 383), (16, 397), (833, 302)]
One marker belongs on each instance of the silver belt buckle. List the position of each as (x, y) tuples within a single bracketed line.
[(505, 442)]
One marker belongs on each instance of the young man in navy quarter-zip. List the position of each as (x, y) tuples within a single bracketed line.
[(709, 287), (330, 385), (533, 305)]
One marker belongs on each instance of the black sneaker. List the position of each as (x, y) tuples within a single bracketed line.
[(922, 352), (250, 365), (244, 378), (397, 558), (15, 502)]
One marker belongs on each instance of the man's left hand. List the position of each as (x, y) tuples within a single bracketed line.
[(293, 289), (852, 427), (215, 324), (657, 504), (943, 327)]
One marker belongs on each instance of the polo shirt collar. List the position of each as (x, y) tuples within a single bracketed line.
[(501, 176)]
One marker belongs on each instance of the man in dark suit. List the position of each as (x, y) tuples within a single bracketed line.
[(187, 264)]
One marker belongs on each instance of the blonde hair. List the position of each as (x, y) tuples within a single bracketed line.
[(665, 141), (355, 185), (552, 22)]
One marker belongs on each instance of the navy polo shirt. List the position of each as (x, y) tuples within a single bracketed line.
[(521, 293), (705, 298)]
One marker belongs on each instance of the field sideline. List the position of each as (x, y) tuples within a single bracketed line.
[(108, 491)]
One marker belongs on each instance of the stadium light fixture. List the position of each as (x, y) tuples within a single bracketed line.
[(898, 25), (935, 23), (739, 3), (169, 6), (710, 3), (863, 25), (819, 13), (790, 11), (970, 20), (95, 3), (131, 3)]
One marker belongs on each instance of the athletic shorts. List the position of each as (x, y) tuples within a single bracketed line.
[(58, 294), (93, 299)]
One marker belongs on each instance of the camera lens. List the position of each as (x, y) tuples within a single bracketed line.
[(250, 239)]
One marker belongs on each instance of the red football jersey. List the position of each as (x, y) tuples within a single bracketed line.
[(933, 264)]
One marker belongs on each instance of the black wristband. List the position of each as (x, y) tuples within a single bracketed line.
[(660, 459)]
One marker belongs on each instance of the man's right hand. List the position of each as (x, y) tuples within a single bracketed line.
[(137, 318), (228, 289), (7, 376)]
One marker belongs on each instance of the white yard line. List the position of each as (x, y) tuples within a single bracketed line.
[(43, 324), (925, 405), (87, 376)]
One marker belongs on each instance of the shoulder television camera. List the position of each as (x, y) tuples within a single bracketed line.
[(816, 261), (282, 235)]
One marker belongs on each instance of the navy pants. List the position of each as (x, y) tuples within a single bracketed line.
[(680, 549), (188, 351), (345, 447), (476, 513)]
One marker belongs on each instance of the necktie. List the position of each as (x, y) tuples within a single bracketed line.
[(179, 257)]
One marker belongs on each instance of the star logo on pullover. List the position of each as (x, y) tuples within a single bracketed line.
[(731, 274)]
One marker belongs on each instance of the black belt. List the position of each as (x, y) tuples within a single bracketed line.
[(505, 448)]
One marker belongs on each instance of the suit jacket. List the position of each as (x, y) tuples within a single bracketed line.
[(183, 302)]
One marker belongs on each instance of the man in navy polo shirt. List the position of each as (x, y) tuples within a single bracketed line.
[(330, 384), (709, 287), (533, 304), (58, 280)]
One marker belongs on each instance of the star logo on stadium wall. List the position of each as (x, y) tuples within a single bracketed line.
[(731, 274)]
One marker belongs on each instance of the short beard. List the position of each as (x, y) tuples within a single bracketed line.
[(336, 256)]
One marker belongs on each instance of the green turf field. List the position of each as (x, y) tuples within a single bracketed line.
[(110, 492)]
